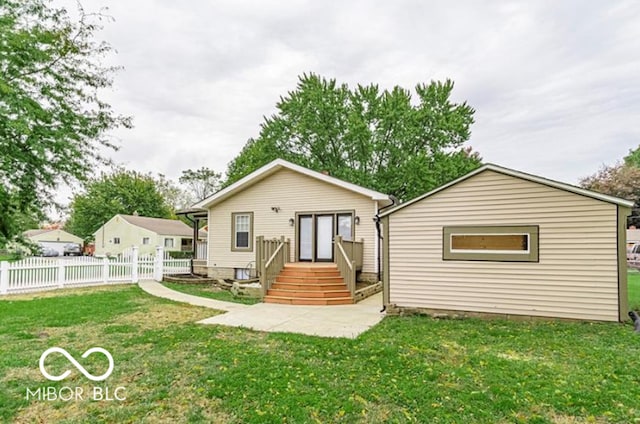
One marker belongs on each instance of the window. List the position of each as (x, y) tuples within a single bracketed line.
[(242, 231), (116, 240), (145, 240), (345, 226), (241, 274), (508, 243), (168, 242)]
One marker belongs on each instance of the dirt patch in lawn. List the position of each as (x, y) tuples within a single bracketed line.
[(160, 316), (64, 292)]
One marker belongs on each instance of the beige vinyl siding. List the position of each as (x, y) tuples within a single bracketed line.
[(576, 276), (292, 193)]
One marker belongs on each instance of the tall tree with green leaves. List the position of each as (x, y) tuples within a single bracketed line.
[(53, 123), (122, 192), (200, 183), (387, 140)]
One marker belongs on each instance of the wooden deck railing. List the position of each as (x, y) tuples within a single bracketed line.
[(347, 254), (354, 249), (271, 256)]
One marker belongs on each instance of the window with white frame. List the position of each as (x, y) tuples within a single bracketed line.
[(168, 242), (116, 240), (241, 231), (145, 240), (503, 243)]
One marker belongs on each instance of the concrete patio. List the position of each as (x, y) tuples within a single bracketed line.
[(347, 321)]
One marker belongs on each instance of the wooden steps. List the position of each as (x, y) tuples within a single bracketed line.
[(309, 284)]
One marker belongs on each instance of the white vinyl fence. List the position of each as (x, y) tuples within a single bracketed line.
[(34, 274)]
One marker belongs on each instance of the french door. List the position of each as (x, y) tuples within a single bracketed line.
[(315, 234), (324, 238)]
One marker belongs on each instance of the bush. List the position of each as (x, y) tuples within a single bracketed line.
[(181, 255)]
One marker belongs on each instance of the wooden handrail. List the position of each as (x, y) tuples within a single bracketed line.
[(271, 257), (346, 265), (268, 264)]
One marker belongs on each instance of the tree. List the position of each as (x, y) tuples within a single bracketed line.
[(200, 182), (621, 180), (122, 192), (174, 196), (53, 124), (633, 158), (384, 140)]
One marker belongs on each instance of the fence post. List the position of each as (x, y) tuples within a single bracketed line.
[(259, 253), (105, 270), (134, 264), (287, 257), (61, 274), (158, 264), (4, 277)]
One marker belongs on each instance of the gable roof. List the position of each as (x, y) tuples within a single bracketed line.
[(39, 231), (276, 165), (165, 227), (517, 174), (31, 233)]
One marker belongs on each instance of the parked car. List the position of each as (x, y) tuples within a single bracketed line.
[(633, 256), (48, 251), (72, 249)]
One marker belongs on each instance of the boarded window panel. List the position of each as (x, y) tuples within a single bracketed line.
[(500, 242)]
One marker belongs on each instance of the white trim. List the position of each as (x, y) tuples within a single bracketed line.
[(521, 175), (276, 165), (376, 245)]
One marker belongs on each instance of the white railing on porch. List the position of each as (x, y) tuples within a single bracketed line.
[(201, 250), (35, 274)]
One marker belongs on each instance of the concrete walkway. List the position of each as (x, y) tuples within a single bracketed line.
[(347, 321), (159, 290)]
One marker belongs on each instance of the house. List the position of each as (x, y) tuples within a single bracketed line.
[(300, 212), (633, 236), (499, 241), (54, 239), (123, 231)]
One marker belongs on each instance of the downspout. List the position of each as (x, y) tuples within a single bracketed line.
[(194, 242), (376, 219)]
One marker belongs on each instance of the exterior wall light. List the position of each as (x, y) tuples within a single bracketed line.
[(291, 222), (356, 220)]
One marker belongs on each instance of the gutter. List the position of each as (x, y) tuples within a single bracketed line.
[(376, 219)]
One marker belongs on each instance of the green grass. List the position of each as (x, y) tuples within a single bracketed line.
[(406, 369), (208, 290), (634, 290)]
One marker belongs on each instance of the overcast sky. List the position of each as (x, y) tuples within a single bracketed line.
[(555, 84)]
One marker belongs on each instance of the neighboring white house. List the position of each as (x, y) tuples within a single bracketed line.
[(123, 231), (54, 239), (499, 241)]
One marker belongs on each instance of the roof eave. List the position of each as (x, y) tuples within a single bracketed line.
[(517, 174)]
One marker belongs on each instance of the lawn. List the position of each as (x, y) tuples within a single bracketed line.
[(406, 369), (634, 289), (210, 291)]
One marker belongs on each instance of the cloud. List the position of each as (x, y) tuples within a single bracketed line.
[(554, 84)]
